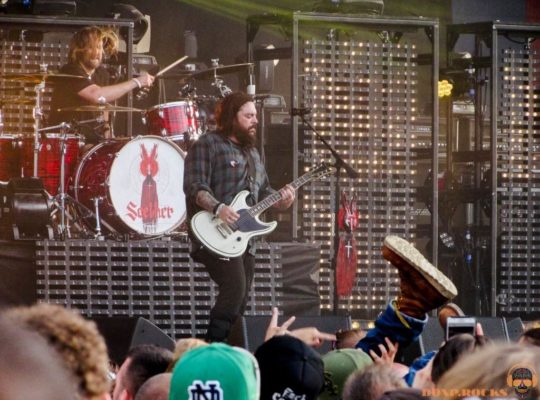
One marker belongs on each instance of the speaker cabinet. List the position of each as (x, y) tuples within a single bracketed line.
[(514, 328), (433, 336), (123, 333)]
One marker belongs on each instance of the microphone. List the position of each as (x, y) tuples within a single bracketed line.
[(300, 111), (250, 91)]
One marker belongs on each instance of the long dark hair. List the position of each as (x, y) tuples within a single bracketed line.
[(227, 109)]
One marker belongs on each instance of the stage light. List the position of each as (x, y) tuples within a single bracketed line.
[(127, 11), (141, 28)]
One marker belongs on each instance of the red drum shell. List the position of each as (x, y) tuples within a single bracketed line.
[(112, 173), (10, 157), (179, 121), (49, 159)]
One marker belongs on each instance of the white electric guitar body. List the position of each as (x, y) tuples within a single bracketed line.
[(231, 240)]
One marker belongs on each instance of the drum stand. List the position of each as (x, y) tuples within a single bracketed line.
[(37, 114), (64, 227)]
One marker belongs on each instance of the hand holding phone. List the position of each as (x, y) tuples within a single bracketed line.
[(457, 325)]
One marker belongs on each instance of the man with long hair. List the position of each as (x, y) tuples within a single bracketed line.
[(87, 49), (218, 166)]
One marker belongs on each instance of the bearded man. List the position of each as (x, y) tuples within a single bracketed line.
[(87, 49), (218, 166)]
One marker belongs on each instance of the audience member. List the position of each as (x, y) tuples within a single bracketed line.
[(30, 369), (216, 371), (499, 369), (422, 288), (142, 362), (309, 335), (181, 347), (290, 369), (349, 338), (371, 382), (530, 337), (338, 365), (77, 340), (403, 394), (447, 311), (454, 348), (155, 388)]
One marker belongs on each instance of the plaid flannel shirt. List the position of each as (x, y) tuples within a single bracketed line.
[(216, 164)]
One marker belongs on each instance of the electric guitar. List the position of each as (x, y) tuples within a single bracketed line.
[(231, 240)]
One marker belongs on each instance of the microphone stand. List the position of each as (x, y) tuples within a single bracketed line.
[(339, 163)]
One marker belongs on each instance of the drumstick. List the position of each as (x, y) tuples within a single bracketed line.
[(144, 92), (168, 67)]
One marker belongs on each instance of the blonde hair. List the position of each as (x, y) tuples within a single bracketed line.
[(488, 368), (89, 37), (80, 345), (183, 346)]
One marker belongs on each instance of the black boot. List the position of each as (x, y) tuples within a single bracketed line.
[(218, 330)]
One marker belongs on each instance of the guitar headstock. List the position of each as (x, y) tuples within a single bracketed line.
[(321, 170)]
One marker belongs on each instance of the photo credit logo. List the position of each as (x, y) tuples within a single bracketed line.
[(437, 392), (522, 378)]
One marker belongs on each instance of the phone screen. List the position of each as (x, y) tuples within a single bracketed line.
[(458, 325)]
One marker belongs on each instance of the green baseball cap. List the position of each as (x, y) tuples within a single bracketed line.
[(217, 371), (338, 365)]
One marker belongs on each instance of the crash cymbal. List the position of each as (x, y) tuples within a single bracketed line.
[(221, 70), (98, 108), (38, 77)]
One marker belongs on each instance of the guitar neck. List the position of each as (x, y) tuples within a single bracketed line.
[(274, 198)]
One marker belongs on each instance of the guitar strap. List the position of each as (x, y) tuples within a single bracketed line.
[(252, 172)]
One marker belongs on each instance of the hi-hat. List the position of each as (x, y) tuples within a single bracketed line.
[(220, 70), (38, 77), (100, 107)]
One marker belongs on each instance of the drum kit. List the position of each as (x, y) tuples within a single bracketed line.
[(124, 188)]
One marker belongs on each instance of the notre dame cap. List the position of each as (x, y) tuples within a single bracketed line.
[(217, 372), (290, 369)]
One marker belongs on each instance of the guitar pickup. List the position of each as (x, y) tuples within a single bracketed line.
[(224, 229)]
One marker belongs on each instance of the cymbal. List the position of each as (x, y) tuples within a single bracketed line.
[(224, 69), (38, 77), (175, 76), (16, 100), (100, 107)]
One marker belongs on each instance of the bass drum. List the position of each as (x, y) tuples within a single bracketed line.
[(137, 183)]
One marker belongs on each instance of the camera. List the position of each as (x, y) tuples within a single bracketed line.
[(458, 325)]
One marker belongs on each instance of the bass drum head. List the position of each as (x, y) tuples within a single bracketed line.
[(146, 185)]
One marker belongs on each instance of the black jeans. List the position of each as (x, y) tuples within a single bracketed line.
[(234, 277)]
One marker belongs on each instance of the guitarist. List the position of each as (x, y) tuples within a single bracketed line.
[(217, 167)]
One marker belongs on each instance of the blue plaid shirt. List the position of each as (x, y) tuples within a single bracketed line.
[(216, 164)]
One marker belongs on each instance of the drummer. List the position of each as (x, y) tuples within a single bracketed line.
[(86, 51)]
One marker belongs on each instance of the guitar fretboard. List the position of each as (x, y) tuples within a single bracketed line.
[(274, 198)]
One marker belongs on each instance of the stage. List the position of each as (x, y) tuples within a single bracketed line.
[(154, 279)]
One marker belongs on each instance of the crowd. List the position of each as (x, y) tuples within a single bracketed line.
[(48, 352)]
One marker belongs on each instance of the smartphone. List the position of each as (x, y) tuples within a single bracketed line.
[(457, 325)]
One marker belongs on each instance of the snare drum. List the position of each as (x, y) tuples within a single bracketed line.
[(138, 182), (50, 158), (179, 121), (10, 161)]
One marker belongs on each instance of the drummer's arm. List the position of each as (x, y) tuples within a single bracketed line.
[(104, 94)]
